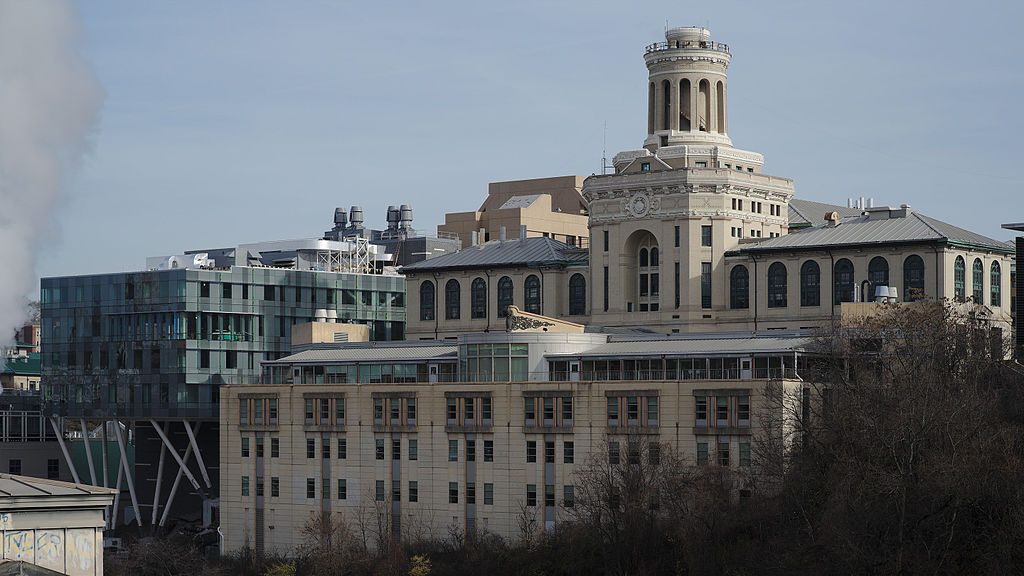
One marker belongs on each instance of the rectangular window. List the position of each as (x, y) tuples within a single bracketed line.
[(470, 450), (379, 448), (605, 234), (226, 291), (378, 410), (310, 448), (342, 489), (339, 411), (414, 491), (342, 449), (549, 495), (531, 451), (549, 452), (470, 410), (395, 405), (259, 486), (654, 453), (485, 409), (530, 409), (549, 410), (325, 488), (245, 485), (678, 290), (723, 453), (245, 447), (613, 453), (568, 452), (204, 359), (453, 492), (396, 490), (309, 411), (453, 450), (259, 447), (452, 410), (676, 232), (743, 411), (604, 293), (652, 410), (632, 410), (613, 411), (645, 166), (744, 453), (531, 494), (702, 453), (272, 411), (566, 410), (705, 285), (378, 494), (275, 486), (488, 450), (275, 447), (470, 492), (310, 488), (325, 449), (568, 496), (705, 235), (488, 493), (414, 449), (410, 410), (722, 411), (396, 448), (701, 404)]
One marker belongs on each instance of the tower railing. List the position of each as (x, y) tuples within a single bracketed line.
[(692, 44)]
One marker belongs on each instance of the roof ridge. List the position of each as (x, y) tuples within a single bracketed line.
[(924, 220)]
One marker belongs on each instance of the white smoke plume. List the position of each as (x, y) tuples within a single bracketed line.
[(49, 102)]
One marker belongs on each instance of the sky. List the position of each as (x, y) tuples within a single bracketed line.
[(237, 121)]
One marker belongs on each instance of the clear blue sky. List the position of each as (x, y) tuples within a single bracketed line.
[(235, 121)]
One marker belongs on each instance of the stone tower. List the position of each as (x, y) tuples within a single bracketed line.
[(662, 223)]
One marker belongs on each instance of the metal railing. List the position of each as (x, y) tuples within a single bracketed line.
[(689, 44)]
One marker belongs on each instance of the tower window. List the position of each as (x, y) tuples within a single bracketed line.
[(645, 166)]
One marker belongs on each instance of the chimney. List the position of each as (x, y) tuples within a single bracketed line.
[(501, 233), (849, 202), (871, 202), (522, 231)]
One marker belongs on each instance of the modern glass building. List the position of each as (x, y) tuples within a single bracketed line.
[(152, 349)]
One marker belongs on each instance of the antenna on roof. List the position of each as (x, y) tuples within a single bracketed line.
[(604, 151)]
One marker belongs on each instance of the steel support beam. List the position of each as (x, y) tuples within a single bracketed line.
[(199, 455), (64, 449), (170, 448), (177, 480), (103, 451), (117, 497), (159, 481), (88, 452), (127, 472)]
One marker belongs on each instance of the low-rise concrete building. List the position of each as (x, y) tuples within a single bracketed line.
[(55, 525)]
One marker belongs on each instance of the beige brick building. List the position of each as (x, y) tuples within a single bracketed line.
[(472, 435)]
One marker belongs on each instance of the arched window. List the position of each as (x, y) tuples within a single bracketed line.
[(654, 257), (644, 261), (452, 300), (704, 105), (648, 276), (739, 288), (684, 104), (666, 102), (777, 285), (531, 294), (959, 279), (913, 278), (810, 284), (844, 285), (427, 300), (650, 108), (577, 295), (977, 282), (504, 295), (996, 288), (478, 298), (878, 274), (720, 105)]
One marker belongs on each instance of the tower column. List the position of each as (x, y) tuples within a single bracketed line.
[(694, 104)]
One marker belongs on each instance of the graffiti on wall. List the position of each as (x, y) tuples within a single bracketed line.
[(19, 545), (50, 549), (81, 551)]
